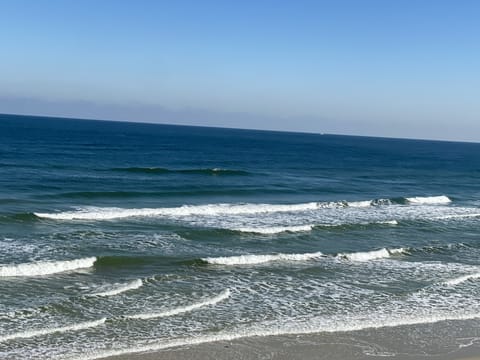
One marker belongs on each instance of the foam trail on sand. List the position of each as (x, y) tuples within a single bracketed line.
[(212, 301), (41, 332), (275, 229), (371, 255), (462, 279), (343, 326), (45, 267), (259, 259), (120, 288), (442, 199)]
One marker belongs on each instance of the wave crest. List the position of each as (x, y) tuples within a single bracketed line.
[(119, 288), (212, 301), (275, 229), (372, 255), (461, 279), (259, 259), (429, 200), (110, 213), (41, 332), (45, 267)]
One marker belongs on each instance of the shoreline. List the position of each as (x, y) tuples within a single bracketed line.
[(294, 347), (457, 340)]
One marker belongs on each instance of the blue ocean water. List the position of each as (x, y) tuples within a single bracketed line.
[(122, 237)]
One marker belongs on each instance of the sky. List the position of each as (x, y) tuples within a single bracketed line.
[(397, 68)]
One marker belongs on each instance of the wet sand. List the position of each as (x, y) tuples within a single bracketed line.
[(364, 345)]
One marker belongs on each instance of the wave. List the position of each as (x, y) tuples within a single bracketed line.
[(461, 279), (457, 216), (41, 332), (94, 213), (110, 213), (372, 255), (260, 259), (275, 229), (160, 170), (212, 301), (45, 267), (429, 200), (119, 288), (340, 326)]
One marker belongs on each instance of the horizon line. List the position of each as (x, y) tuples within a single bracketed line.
[(241, 129)]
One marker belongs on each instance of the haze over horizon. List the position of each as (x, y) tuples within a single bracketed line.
[(396, 69)]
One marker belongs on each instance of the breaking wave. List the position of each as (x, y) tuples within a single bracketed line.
[(461, 279), (45, 267), (433, 200), (275, 229), (183, 309), (372, 255), (119, 288), (109, 213), (41, 332), (259, 259)]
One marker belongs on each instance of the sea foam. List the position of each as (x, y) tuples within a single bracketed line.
[(434, 200), (119, 288), (338, 326), (275, 229), (46, 331), (183, 309), (371, 255), (259, 259), (45, 267), (461, 279), (95, 213), (110, 213)]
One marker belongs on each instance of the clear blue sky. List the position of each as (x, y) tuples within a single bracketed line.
[(389, 68)]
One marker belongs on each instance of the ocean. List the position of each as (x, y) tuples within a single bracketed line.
[(121, 237)]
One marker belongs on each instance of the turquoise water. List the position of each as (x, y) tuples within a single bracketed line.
[(120, 237)]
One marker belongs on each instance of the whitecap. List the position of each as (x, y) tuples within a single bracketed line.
[(259, 259), (183, 309), (46, 331), (429, 200), (275, 229), (45, 267), (119, 288), (371, 255)]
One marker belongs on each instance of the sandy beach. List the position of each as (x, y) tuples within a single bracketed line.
[(406, 343)]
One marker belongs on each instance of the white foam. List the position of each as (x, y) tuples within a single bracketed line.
[(275, 229), (457, 216), (388, 222), (360, 204), (442, 199), (45, 267), (120, 288), (336, 326), (462, 279), (95, 213), (212, 301), (259, 259), (371, 255), (41, 332)]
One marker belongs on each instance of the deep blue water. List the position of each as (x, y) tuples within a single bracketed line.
[(117, 237)]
